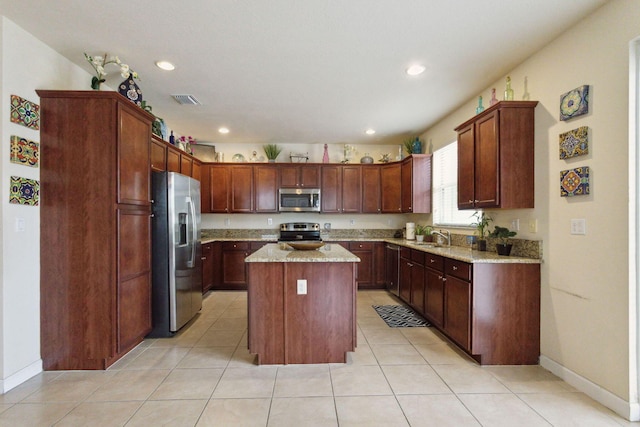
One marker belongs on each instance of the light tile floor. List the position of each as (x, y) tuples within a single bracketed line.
[(205, 376)]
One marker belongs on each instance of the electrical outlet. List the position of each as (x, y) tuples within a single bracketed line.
[(515, 224), (20, 225), (533, 226), (269, 221), (352, 221), (302, 287), (327, 226), (227, 222)]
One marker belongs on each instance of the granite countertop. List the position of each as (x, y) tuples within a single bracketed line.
[(281, 252)]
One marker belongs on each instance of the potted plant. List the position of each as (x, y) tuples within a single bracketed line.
[(482, 228), (408, 145), (272, 151), (423, 233), (503, 233)]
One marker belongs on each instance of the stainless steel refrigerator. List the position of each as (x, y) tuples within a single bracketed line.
[(176, 252)]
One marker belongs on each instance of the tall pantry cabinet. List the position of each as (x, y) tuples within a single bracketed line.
[(95, 236)]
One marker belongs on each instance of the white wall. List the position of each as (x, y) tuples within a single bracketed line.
[(585, 286), (27, 64)]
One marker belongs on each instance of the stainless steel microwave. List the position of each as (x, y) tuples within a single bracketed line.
[(299, 199)]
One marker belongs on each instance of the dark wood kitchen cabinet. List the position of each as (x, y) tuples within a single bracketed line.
[(434, 289), (234, 272), (416, 183), (241, 189), (207, 267), (158, 155), (95, 207), (371, 192), (341, 189), (404, 285), (300, 176), (173, 159), (391, 188), (229, 188), (266, 189), (457, 302), (365, 268), (496, 157)]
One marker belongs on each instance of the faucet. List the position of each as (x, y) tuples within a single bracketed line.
[(442, 234)]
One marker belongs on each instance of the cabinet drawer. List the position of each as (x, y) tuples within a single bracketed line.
[(364, 246), (238, 246), (459, 269), (417, 256), (433, 261), (405, 252)]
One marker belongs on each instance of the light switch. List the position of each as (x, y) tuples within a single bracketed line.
[(533, 226), (302, 287), (579, 226), (269, 221), (20, 225)]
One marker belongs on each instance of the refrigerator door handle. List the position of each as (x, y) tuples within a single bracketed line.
[(194, 233)]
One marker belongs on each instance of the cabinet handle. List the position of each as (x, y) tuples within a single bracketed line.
[(235, 246), (454, 268), (360, 246), (432, 261), (440, 277), (409, 264), (470, 201), (203, 258)]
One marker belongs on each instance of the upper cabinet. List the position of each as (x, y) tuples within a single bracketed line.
[(341, 189), (391, 188), (416, 183), (299, 176), (496, 157)]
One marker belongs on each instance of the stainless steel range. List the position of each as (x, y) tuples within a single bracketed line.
[(298, 231)]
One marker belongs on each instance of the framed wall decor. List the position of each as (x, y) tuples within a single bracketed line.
[(574, 143), (25, 112), (24, 191), (574, 182), (574, 103), (24, 152)]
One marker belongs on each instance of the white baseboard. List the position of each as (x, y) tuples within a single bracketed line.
[(628, 410), (21, 376)]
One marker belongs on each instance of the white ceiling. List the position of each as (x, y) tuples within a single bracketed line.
[(303, 71)]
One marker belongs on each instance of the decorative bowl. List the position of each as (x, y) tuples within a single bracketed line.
[(306, 245)]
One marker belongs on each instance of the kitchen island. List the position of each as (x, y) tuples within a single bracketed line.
[(301, 304)]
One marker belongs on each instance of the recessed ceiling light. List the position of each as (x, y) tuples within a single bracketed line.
[(415, 69), (370, 131), (165, 65), (223, 130)]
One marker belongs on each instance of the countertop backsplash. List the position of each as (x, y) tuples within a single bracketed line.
[(521, 248)]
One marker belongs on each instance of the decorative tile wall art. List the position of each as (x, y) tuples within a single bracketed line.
[(574, 182), (24, 152), (24, 191), (574, 103), (25, 112), (574, 143)]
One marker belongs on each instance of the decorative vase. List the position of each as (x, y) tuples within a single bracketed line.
[(417, 146), (366, 159), (508, 92), (480, 107), (482, 245), (493, 100), (130, 90), (325, 156), (272, 160), (503, 248)]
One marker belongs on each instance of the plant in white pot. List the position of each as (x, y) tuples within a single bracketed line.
[(503, 234), (423, 233), (482, 228), (272, 151)]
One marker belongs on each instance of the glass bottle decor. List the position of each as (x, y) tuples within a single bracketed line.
[(172, 139), (493, 100), (508, 92), (525, 95), (417, 146), (480, 107), (325, 156)]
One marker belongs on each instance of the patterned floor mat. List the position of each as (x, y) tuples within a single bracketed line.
[(399, 316)]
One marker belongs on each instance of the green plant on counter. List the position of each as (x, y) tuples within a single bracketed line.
[(423, 230), (502, 233), (482, 224), (272, 151)]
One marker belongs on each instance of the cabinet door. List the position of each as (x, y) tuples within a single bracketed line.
[(364, 269), (234, 274), (207, 267), (186, 165), (417, 288), (310, 176), (216, 257), (391, 188), (289, 176), (330, 196), (134, 159), (371, 189), (158, 155), (219, 183), (457, 311), (173, 159), (405, 279), (487, 177), (241, 193), (351, 189), (134, 277), (379, 265), (406, 178), (196, 171), (266, 188), (434, 296), (466, 168)]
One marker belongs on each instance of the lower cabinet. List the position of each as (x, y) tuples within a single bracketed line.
[(364, 268), (457, 311), (434, 289), (207, 267), (228, 269), (405, 275)]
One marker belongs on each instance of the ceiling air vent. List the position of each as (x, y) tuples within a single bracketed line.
[(186, 99)]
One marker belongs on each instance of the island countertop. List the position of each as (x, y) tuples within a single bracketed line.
[(281, 252)]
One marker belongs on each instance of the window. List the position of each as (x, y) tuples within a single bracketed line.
[(445, 189)]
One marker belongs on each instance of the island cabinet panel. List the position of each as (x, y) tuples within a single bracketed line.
[(286, 327), (391, 188), (496, 157), (95, 228)]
